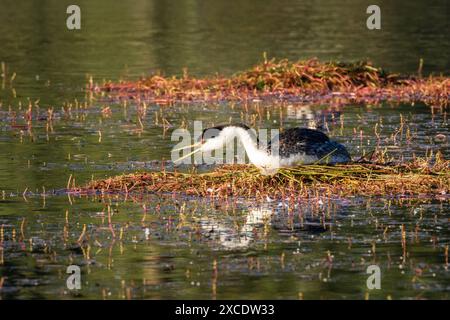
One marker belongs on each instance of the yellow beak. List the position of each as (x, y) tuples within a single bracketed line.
[(188, 155)]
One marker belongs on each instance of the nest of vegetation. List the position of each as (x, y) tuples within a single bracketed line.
[(416, 178), (307, 81)]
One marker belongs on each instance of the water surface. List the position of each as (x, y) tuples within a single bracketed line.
[(171, 246)]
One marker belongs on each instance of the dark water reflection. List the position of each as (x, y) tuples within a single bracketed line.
[(90, 144), (180, 248), (177, 247), (120, 38)]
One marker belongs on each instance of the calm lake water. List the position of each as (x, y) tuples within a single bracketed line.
[(165, 246)]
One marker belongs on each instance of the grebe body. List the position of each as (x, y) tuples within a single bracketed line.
[(292, 147)]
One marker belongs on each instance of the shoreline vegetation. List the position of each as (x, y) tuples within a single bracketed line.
[(420, 177), (307, 81)]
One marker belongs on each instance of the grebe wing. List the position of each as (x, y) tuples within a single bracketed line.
[(300, 140)]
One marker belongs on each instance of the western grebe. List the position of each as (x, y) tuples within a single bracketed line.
[(296, 146)]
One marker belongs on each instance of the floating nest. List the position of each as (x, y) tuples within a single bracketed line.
[(309, 81), (417, 178)]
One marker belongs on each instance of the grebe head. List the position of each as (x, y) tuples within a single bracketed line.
[(215, 137)]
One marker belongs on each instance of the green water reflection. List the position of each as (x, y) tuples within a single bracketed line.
[(176, 247)]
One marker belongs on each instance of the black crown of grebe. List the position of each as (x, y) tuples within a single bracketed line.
[(296, 146)]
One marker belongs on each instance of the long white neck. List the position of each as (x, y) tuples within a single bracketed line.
[(259, 157)]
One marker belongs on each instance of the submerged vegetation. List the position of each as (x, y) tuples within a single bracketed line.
[(309, 81), (415, 178), (86, 179), (302, 81)]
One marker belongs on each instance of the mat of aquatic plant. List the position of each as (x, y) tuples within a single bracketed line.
[(301, 81), (414, 178)]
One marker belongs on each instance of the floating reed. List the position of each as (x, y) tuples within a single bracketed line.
[(302, 81), (415, 178)]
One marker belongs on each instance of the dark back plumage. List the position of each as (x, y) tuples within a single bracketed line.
[(296, 141), (309, 142)]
